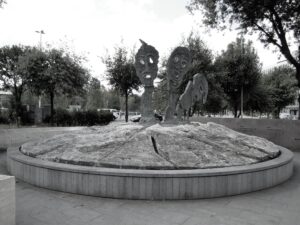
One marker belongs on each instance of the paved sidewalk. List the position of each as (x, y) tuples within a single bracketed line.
[(278, 205)]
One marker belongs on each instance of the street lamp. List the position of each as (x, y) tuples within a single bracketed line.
[(243, 74), (41, 32)]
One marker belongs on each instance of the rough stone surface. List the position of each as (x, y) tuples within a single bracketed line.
[(178, 64), (192, 145)]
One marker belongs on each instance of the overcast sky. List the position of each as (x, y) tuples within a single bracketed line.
[(90, 27)]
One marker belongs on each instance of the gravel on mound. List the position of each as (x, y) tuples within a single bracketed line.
[(160, 146)]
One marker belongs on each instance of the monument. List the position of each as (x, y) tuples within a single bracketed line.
[(146, 61), (171, 160), (179, 63), (195, 92), (177, 66)]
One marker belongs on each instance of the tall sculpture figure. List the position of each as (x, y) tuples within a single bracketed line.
[(195, 91), (146, 60), (178, 64)]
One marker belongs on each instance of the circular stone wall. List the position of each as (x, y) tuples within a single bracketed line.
[(151, 184)]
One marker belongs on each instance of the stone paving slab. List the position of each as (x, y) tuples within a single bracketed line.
[(276, 206), (7, 200)]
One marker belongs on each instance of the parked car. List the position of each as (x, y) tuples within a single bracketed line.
[(135, 118), (116, 113), (285, 116)]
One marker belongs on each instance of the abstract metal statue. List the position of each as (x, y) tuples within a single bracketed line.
[(146, 60), (195, 91), (178, 65)]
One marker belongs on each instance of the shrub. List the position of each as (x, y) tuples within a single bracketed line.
[(105, 117), (4, 117), (89, 118), (63, 118), (92, 118), (27, 118), (79, 118), (47, 119)]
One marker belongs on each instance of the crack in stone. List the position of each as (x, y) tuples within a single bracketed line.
[(162, 155), (154, 145)]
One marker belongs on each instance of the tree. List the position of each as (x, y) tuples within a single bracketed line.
[(112, 99), (2, 2), (54, 72), (94, 95), (202, 59), (134, 103), (160, 94), (273, 20), (260, 99), (121, 74), (10, 76), (241, 71), (283, 87), (216, 99), (202, 62)]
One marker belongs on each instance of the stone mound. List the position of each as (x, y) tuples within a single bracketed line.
[(160, 146)]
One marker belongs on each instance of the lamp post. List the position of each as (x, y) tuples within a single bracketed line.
[(41, 32), (38, 112), (243, 74)]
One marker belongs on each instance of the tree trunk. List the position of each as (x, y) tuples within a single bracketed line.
[(18, 110), (126, 107), (235, 111), (299, 106), (52, 108), (277, 113), (18, 104), (298, 78)]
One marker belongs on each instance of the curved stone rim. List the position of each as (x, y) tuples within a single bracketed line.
[(151, 184), (285, 157)]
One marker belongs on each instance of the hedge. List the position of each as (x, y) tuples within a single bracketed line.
[(89, 118)]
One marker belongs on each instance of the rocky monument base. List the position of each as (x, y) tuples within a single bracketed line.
[(157, 162), (186, 146)]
